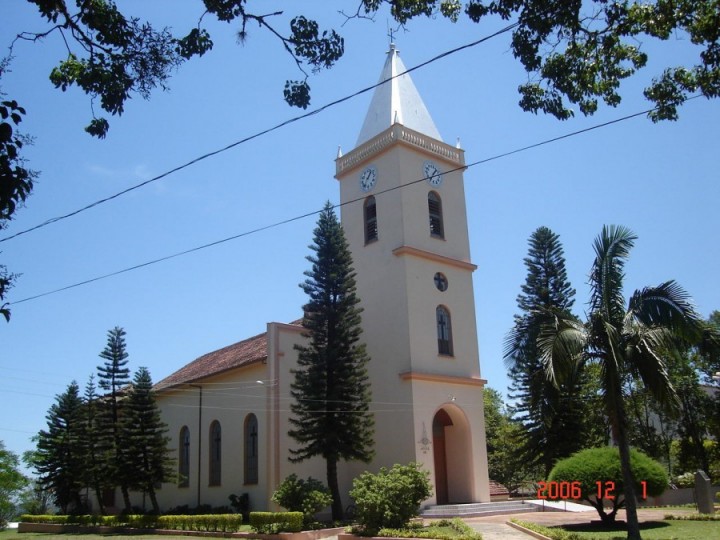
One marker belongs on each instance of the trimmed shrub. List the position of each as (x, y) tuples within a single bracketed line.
[(276, 522), (306, 496), (595, 471), (390, 498)]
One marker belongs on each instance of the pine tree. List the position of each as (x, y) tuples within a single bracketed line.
[(98, 446), (60, 458), (553, 417), (114, 377), (331, 390), (146, 442)]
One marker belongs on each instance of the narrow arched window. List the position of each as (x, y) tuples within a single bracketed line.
[(444, 331), (251, 449), (435, 213), (184, 462), (215, 453), (370, 220)]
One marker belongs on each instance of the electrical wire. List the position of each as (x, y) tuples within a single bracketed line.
[(315, 212), (255, 136)]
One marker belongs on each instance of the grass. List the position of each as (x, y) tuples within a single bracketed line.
[(650, 530), (12, 534)]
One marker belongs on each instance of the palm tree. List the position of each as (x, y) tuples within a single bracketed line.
[(625, 342)]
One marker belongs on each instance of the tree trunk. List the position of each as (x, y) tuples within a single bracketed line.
[(126, 499), (332, 480), (633, 524), (153, 499)]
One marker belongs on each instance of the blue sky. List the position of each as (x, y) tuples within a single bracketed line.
[(661, 180)]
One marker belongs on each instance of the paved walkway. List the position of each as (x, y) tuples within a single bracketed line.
[(496, 527)]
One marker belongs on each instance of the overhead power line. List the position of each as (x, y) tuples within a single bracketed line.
[(254, 136), (315, 212)]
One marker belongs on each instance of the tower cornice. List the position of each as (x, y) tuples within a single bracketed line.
[(399, 134), (429, 255)]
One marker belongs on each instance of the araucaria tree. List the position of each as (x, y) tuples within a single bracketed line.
[(553, 416), (622, 341), (114, 377), (145, 439), (331, 390), (60, 457)]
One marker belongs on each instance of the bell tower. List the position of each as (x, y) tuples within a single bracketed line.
[(405, 219)]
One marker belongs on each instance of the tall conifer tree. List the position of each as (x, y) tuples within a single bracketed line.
[(331, 390), (60, 458), (98, 446), (553, 417), (146, 443), (114, 377)]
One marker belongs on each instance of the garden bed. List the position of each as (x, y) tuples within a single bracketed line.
[(56, 528)]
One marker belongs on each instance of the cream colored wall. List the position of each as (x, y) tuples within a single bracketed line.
[(227, 398)]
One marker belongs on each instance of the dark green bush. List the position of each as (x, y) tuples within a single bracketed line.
[(390, 498), (306, 496), (275, 522)]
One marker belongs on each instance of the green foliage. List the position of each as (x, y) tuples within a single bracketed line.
[(695, 517), (113, 378), (390, 498), (557, 417), (331, 390), (60, 456), (275, 522), (504, 437), (623, 341), (16, 181), (444, 529), (225, 523), (588, 467), (12, 482), (553, 533), (306, 496), (145, 448)]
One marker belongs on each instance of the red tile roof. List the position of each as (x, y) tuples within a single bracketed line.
[(240, 354), (497, 489), (243, 353)]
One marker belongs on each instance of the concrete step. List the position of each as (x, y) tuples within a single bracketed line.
[(477, 509)]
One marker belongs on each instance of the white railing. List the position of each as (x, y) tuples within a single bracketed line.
[(398, 132)]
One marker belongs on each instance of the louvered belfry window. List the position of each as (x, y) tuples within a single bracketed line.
[(435, 212), (370, 215)]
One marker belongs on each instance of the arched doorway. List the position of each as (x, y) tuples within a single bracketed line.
[(452, 456)]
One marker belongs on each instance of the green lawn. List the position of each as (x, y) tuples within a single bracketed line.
[(650, 530), (12, 534)]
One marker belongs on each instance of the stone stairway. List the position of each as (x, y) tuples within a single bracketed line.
[(477, 509)]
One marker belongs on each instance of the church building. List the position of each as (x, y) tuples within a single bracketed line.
[(404, 216)]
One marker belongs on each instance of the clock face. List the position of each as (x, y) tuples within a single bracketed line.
[(368, 178), (432, 174)]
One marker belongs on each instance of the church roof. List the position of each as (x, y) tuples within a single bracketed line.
[(397, 100), (243, 353)]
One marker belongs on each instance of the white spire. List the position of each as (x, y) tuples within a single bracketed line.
[(397, 100)]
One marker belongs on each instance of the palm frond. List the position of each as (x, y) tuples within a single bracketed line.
[(612, 248), (668, 306), (561, 343), (645, 362)]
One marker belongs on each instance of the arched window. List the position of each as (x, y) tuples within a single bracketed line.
[(370, 220), (444, 331), (435, 213), (251, 449), (184, 462), (215, 453)]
